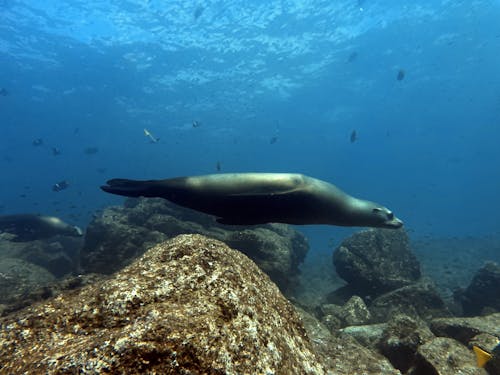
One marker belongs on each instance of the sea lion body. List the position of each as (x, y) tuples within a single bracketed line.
[(257, 198), (29, 227)]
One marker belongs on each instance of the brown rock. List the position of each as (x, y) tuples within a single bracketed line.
[(464, 329), (376, 261), (401, 338), (121, 234), (419, 300), (343, 355), (443, 356), (190, 305)]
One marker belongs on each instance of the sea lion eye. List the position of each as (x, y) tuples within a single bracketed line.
[(390, 215)]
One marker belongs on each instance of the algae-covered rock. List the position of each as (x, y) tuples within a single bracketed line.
[(376, 261), (419, 300), (353, 312), (342, 354), (442, 356), (190, 305), (483, 293), (18, 278), (121, 234), (464, 329), (401, 339)]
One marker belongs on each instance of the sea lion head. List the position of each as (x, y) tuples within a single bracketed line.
[(54, 225), (385, 218), (371, 214)]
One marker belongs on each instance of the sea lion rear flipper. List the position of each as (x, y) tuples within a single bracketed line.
[(129, 188)]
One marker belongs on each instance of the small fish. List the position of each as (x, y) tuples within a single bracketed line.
[(354, 136), (198, 12), (91, 151), (273, 140), (152, 138), (3, 91), (218, 166), (196, 124), (401, 75), (56, 151), (62, 185), (37, 142), (352, 57)]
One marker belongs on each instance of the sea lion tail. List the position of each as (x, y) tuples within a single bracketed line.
[(130, 188)]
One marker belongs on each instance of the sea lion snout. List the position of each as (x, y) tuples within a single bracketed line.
[(394, 223)]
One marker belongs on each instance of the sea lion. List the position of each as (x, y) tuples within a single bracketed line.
[(29, 227), (258, 198)]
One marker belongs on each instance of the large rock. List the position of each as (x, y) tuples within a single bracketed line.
[(419, 300), (445, 356), (376, 261), (343, 355), (190, 305), (121, 234), (353, 312), (18, 278), (464, 329), (483, 293), (401, 338)]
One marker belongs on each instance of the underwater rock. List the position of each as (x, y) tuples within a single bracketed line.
[(376, 261), (121, 234), (189, 305), (419, 300), (401, 338), (367, 335), (277, 249), (444, 356), (343, 355), (464, 329), (353, 312), (483, 293), (18, 278)]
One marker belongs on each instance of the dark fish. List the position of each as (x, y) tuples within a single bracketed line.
[(3, 91), (196, 124), (60, 186), (218, 166), (56, 151), (401, 75), (352, 57), (273, 140), (37, 142), (354, 136), (198, 12), (91, 150)]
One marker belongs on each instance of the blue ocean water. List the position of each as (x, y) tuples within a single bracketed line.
[(270, 86)]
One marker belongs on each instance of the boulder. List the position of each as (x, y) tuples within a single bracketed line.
[(376, 261), (353, 312), (121, 234), (483, 293), (401, 338), (443, 355), (419, 300), (189, 305), (342, 354), (464, 329), (18, 278), (367, 335)]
